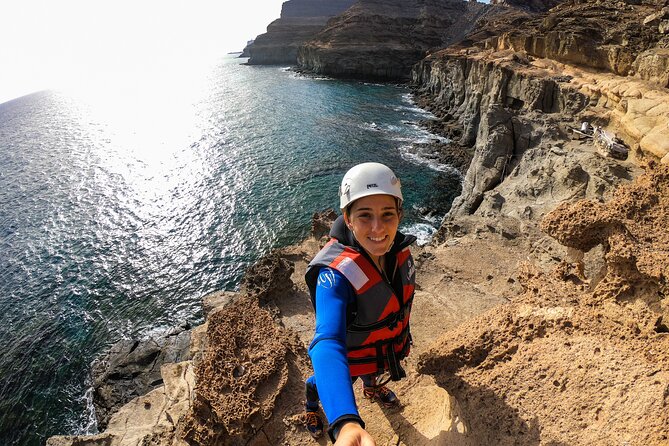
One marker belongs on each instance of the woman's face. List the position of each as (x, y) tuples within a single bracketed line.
[(374, 220)]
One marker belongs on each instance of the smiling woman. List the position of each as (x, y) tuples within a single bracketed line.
[(78, 43)]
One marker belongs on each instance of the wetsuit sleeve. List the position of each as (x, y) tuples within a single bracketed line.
[(328, 349)]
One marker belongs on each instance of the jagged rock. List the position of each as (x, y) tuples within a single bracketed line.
[(494, 147), (542, 180), (133, 367), (243, 372), (566, 362), (632, 229), (321, 223), (382, 39), (461, 87), (269, 278), (466, 87), (300, 20)]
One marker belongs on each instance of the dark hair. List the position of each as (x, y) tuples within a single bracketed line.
[(398, 207)]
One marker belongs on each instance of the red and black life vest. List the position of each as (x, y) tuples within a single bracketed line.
[(377, 337)]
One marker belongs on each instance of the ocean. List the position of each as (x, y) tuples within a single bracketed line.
[(121, 208)]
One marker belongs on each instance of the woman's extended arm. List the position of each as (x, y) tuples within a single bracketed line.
[(328, 349)]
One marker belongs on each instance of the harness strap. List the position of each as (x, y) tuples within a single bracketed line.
[(396, 370), (390, 356), (396, 340), (389, 321), (379, 356)]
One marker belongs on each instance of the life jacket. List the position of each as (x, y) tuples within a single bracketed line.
[(377, 332)]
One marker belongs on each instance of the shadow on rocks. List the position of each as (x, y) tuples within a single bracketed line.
[(488, 420)]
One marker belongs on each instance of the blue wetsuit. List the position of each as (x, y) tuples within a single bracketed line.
[(328, 350), (333, 295)]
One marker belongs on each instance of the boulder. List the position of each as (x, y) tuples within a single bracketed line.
[(269, 279), (321, 223), (133, 367)]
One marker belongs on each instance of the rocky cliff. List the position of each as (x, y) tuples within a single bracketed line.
[(382, 39), (575, 357), (300, 20), (504, 103), (626, 37)]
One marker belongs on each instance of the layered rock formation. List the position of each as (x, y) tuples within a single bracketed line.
[(504, 103), (382, 39), (300, 20), (626, 37)]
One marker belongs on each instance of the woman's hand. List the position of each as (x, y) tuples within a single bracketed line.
[(352, 434)]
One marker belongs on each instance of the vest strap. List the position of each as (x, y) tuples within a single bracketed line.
[(389, 321), (390, 356)]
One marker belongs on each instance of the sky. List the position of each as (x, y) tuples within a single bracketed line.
[(47, 44), (69, 44)]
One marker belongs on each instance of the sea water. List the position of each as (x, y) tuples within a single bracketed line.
[(120, 208)]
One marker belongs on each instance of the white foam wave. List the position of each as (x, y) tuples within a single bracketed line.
[(422, 231), (410, 155), (407, 98), (372, 126), (305, 76)]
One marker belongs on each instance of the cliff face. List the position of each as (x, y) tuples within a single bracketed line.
[(625, 38), (504, 103), (382, 39), (574, 358), (507, 106), (532, 5), (300, 20)]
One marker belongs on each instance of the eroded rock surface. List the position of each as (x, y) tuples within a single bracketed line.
[(243, 372), (571, 361), (269, 278), (632, 228)]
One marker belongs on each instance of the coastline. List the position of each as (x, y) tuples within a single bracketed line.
[(543, 256), (472, 267)]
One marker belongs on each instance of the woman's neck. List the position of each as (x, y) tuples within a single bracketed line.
[(378, 261)]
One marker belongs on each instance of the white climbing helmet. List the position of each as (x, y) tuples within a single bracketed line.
[(368, 179)]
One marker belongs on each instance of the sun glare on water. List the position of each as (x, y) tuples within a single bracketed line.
[(93, 45), (134, 73)]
